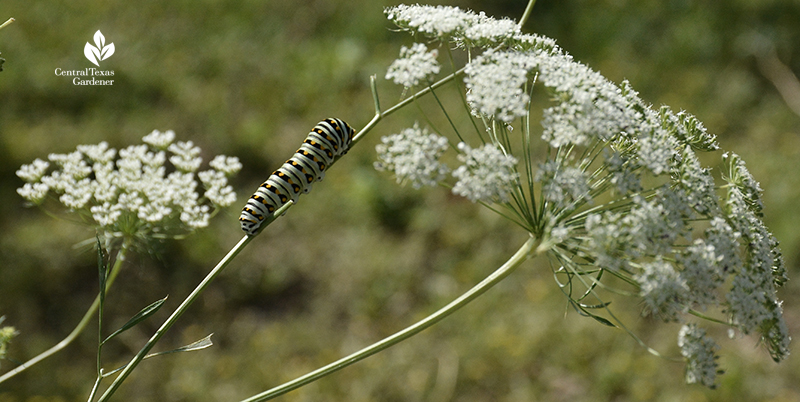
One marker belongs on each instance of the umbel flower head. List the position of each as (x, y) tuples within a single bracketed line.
[(134, 192), (614, 189)]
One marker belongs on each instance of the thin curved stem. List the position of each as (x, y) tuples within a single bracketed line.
[(381, 114), (529, 249), (81, 325)]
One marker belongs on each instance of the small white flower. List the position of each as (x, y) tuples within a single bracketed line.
[(536, 42), (609, 241), (589, 106), (721, 236), (697, 183), (488, 31), (154, 159), (739, 176), (99, 153), (414, 65), (185, 156), (702, 273), (72, 165), (656, 147), (622, 173), (563, 186), (662, 289), (196, 216), (58, 181), (433, 21), (221, 196), (495, 81), (107, 214), (33, 172), (159, 140), (77, 195), (413, 156), (217, 189), (211, 178), (182, 187), (487, 175), (34, 192), (153, 212), (688, 129), (699, 350), (130, 201), (227, 164)]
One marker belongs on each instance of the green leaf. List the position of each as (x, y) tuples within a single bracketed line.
[(602, 320), (201, 344), (594, 306), (139, 317), (198, 345), (584, 312)]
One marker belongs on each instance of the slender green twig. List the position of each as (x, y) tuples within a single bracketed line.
[(526, 14), (81, 325), (381, 114), (103, 277), (9, 21), (529, 249)]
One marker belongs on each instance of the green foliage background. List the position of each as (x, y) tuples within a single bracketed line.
[(360, 257)]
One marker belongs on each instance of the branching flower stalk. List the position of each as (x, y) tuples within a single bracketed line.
[(614, 190), (130, 197)]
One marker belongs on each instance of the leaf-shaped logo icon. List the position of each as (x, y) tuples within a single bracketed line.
[(99, 40), (100, 51)]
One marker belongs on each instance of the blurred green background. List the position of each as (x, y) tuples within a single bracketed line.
[(360, 257)]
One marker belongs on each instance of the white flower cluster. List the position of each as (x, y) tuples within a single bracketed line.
[(662, 289), (414, 65), (662, 224), (413, 156), (487, 175), (495, 83), (700, 353), (131, 192), (452, 23), (564, 187), (752, 300)]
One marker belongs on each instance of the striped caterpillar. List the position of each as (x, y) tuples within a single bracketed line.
[(328, 139)]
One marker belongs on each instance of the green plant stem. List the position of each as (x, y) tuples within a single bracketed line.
[(9, 21), (530, 249), (527, 13), (380, 115), (81, 325), (177, 314)]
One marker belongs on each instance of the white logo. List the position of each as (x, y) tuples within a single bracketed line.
[(100, 51), (95, 54)]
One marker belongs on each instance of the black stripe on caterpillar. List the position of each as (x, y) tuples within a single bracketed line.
[(330, 138)]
